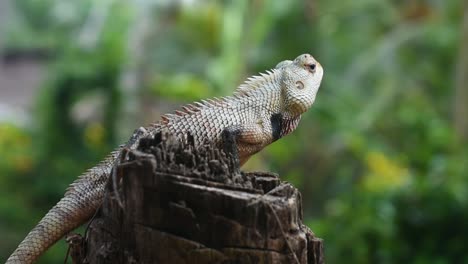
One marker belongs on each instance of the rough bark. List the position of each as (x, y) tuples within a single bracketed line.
[(179, 204)]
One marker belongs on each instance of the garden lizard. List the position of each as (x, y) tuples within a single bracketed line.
[(262, 110)]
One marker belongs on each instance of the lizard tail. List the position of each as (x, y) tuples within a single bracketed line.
[(82, 199), (69, 213)]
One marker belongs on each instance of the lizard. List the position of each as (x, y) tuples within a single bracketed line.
[(263, 109)]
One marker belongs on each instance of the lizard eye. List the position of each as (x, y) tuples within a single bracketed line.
[(312, 67)]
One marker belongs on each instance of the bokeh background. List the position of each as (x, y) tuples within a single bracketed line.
[(381, 158)]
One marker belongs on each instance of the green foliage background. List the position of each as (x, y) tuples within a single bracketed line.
[(382, 170)]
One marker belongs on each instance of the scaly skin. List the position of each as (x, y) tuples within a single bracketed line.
[(262, 110)]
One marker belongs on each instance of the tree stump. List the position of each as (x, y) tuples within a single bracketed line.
[(176, 203)]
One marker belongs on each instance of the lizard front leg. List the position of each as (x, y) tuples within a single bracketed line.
[(245, 140)]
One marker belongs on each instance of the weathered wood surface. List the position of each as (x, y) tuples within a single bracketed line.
[(178, 204)]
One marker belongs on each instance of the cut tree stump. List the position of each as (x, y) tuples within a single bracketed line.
[(179, 204)]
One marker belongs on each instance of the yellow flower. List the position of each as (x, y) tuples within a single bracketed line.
[(383, 173), (94, 135), (15, 146), (22, 163)]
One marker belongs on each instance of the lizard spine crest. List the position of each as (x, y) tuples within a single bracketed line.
[(264, 80)]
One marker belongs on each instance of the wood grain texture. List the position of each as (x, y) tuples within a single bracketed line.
[(187, 205)]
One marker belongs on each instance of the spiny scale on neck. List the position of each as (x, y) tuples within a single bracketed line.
[(267, 81)]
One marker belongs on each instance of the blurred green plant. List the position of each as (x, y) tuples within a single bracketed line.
[(77, 108)]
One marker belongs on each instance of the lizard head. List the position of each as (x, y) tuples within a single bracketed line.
[(301, 80)]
